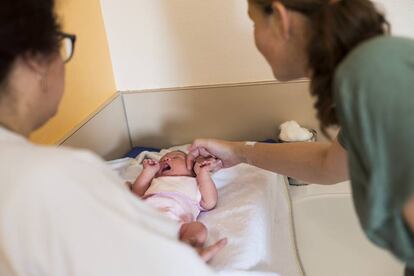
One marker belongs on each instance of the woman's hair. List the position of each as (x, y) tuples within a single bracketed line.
[(335, 28), (26, 27)]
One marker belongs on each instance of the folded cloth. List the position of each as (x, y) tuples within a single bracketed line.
[(253, 212)]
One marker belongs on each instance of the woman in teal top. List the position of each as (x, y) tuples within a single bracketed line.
[(363, 80)]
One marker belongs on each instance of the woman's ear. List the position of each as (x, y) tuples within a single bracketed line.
[(282, 15), (37, 63)]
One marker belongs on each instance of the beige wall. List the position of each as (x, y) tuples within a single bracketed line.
[(89, 76), (167, 117), (106, 133), (253, 111)]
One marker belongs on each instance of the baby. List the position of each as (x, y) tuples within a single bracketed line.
[(180, 193)]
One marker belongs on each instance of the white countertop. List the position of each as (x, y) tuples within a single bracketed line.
[(329, 238)]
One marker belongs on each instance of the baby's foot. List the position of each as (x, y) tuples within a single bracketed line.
[(193, 233)]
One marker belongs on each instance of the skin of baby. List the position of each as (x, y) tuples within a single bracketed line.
[(174, 164)]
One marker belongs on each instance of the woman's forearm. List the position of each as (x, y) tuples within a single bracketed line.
[(322, 163)]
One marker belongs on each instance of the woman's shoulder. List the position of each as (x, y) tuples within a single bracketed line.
[(56, 157), (54, 174), (384, 43), (383, 52), (27, 162)]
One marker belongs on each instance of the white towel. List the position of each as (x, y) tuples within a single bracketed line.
[(253, 212)]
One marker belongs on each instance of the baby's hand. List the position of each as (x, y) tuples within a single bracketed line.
[(151, 165), (208, 165)]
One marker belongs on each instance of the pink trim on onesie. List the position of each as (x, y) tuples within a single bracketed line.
[(175, 205)]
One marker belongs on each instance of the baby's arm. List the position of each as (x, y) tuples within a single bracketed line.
[(143, 181), (206, 184)]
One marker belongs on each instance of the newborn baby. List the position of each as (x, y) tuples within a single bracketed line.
[(180, 193)]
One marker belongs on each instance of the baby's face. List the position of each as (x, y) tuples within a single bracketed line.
[(174, 164)]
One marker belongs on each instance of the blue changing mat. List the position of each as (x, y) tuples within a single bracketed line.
[(137, 150)]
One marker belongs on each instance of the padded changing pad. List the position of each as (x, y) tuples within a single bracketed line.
[(253, 212)]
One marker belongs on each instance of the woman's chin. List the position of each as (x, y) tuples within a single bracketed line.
[(288, 76)]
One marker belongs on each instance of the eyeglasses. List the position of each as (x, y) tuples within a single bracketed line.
[(67, 46)]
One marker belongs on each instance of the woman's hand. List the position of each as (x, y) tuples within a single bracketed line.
[(207, 253), (230, 153)]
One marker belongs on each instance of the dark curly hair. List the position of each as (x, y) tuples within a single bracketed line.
[(26, 27), (336, 27)]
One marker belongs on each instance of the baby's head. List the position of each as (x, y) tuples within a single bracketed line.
[(174, 164)]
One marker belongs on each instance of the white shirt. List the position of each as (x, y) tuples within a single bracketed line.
[(64, 212)]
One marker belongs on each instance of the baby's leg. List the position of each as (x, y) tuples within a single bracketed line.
[(193, 233)]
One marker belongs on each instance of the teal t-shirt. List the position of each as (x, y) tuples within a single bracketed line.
[(374, 96)]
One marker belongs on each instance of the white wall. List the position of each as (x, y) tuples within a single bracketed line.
[(175, 43), (400, 13)]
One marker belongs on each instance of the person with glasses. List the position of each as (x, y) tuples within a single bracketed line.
[(362, 79), (63, 211)]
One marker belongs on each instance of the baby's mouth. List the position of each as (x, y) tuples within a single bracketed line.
[(165, 167)]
